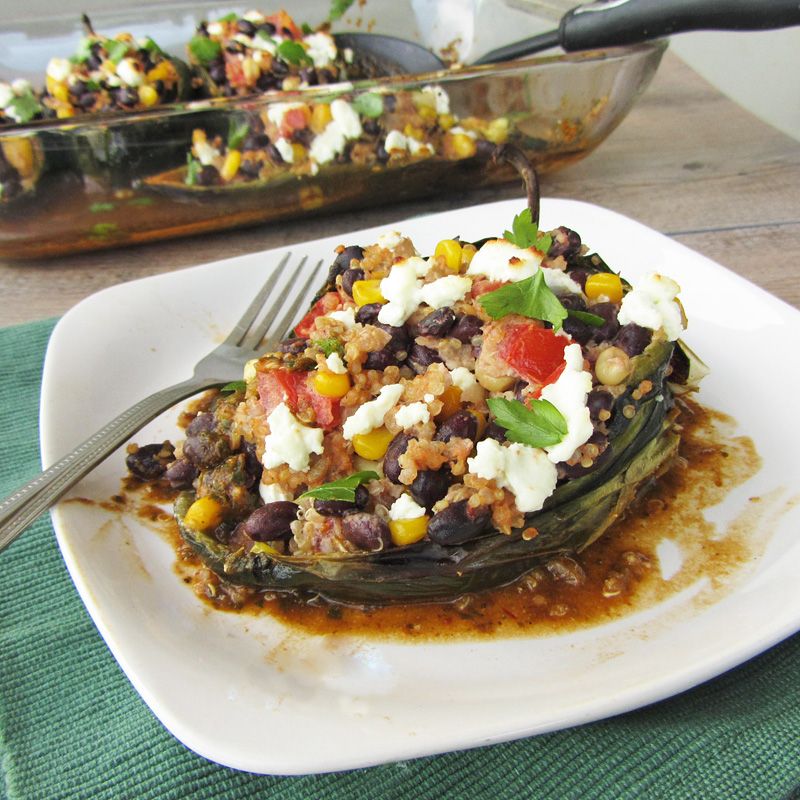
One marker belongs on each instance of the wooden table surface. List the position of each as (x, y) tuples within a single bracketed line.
[(687, 161)]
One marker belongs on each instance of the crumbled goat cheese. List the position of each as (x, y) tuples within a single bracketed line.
[(568, 394), (335, 364), (395, 141), (214, 28), (500, 260), (445, 291), (405, 508), (389, 240), (277, 111), (416, 147), (289, 442), (410, 415), (321, 49), (347, 316), (344, 125), (205, 152), (441, 98), (58, 69), (6, 94), (525, 471), (129, 72), (20, 86), (404, 291), (463, 378), (463, 132), (370, 415), (651, 304), (284, 147), (559, 282), (254, 16), (273, 493)]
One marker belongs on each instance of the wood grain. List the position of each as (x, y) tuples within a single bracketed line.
[(686, 161)]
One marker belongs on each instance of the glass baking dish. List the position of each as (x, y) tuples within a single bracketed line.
[(113, 179)]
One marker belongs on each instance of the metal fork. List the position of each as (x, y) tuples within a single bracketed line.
[(252, 336)]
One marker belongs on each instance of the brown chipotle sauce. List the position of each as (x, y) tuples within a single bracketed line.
[(615, 576)]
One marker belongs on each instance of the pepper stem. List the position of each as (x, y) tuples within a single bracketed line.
[(511, 154)]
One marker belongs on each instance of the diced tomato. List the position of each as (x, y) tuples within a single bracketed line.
[(235, 73), (484, 286), (327, 303), (294, 388), (283, 22), (295, 119), (536, 353)]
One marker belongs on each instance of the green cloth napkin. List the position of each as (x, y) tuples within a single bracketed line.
[(71, 726)]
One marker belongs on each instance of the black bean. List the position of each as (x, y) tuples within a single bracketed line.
[(250, 168), (207, 448), (309, 75), (572, 302), (599, 400), (208, 175), (380, 359), (608, 330), (430, 486), (279, 68), (467, 328), (77, 88), (579, 276), (421, 357), (389, 102), (458, 523), (125, 97), (633, 339), (495, 431), (391, 459), (295, 346), (145, 463), (271, 521), (255, 141), (368, 314), (246, 27), (252, 463), (462, 424), (267, 27), (581, 332), (202, 422), (274, 154), (234, 47), (327, 76), (566, 243), (366, 531), (371, 127), (266, 82), (94, 62), (337, 508), (381, 153), (350, 253), (484, 149), (302, 136), (181, 473), (349, 277), (399, 341), (437, 323)]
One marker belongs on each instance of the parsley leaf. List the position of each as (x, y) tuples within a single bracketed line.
[(595, 320), (237, 132), (338, 7), (24, 108), (329, 346), (293, 53), (343, 489), (150, 45), (525, 233), (116, 50), (193, 167), (530, 298), (205, 50), (541, 425), (232, 17), (234, 386)]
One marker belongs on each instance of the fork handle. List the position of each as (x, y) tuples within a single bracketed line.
[(22, 507)]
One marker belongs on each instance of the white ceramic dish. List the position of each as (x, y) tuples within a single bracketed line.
[(253, 695)]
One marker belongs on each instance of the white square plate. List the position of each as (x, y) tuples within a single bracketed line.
[(254, 695)]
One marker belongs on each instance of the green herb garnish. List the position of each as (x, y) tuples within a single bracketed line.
[(343, 489), (103, 230), (262, 34), (525, 233), (369, 104), (530, 298), (293, 53), (25, 107), (140, 201), (237, 131), (116, 50), (234, 386), (329, 346), (205, 50), (193, 167), (595, 320), (150, 45), (306, 29), (539, 425), (338, 7), (99, 208), (232, 17)]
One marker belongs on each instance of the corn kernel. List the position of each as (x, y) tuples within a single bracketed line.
[(331, 384), (467, 254), (263, 547), (199, 136), (497, 132), (58, 90), (298, 153), (148, 96), (459, 145), (250, 70), (19, 153), (164, 71), (231, 165), (451, 402), (451, 250), (413, 131), (428, 113), (408, 531), (372, 445), (320, 117), (365, 292), (604, 284), (204, 514), (63, 112), (446, 121)]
